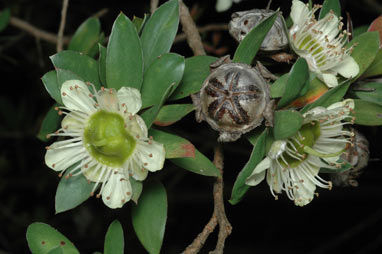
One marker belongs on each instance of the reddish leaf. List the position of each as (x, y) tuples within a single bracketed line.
[(376, 25)]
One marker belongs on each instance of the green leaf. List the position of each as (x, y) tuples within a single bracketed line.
[(102, 64), (286, 123), (140, 23), (172, 113), (86, 36), (367, 113), (251, 43), (150, 215), (5, 15), (57, 250), (298, 78), (42, 238), (330, 5), (315, 90), (50, 124), (51, 86), (72, 191), (159, 32), (278, 87), (124, 63), (199, 165), (196, 70), (136, 187), (149, 115), (374, 95), (78, 63), (365, 51), (240, 188), (375, 67), (64, 75), (175, 146), (344, 167), (359, 30), (114, 241), (165, 71), (331, 96)]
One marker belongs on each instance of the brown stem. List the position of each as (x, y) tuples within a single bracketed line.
[(218, 216), (203, 29), (189, 28), (34, 31), (60, 33), (153, 5)]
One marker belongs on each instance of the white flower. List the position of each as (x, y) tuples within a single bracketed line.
[(321, 43), (293, 164), (108, 140), (223, 5)]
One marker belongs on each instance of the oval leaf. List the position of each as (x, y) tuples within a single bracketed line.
[(86, 36), (376, 25), (196, 70), (65, 75), (286, 123), (367, 113), (200, 165), (124, 63), (240, 188), (371, 92), (175, 146), (50, 123), (251, 43), (4, 18), (114, 241), (365, 51), (375, 67), (159, 31), (330, 5), (150, 215), (71, 192), (166, 70), (42, 239), (298, 78), (78, 63), (316, 89), (172, 113), (278, 87), (51, 86)]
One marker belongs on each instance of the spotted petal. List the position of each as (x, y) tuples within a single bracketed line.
[(299, 13), (75, 96), (60, 156), (329, 79), (117, 191), (151, 155), (130, 97)]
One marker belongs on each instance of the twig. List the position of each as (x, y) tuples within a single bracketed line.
[(189, 28), (218, 216), (60, 33), (101, 13), (153, 5), (34, 31), (203, 29)]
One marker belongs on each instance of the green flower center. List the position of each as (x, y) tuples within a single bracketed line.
[(309, 134), (107, 140), (314, 48)]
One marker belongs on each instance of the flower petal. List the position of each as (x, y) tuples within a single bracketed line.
[(117, 191), (329, 79), (71, 123), (299, 13), (345, 105), (138, 172), (59, 158), (135, 125), (348, 68), (108, 100), (131, 97), (75, 96), (151, 155), (258, 173), (223, 5), (329, 26)]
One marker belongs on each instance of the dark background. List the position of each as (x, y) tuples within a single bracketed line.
[(344, 220)]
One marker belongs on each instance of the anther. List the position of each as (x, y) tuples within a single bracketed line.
[(128, 193), (122, 179), (91, 194), (137, 136), (108, 198), (316, 193), (102, 88), (60, 175), (98, 195), (115, 172), (123, 200), (47, 147), (53, 165), (86, 165), (56, 108), (145, 164), (330, 185), (150, 155), (63, 94), (71, 88)]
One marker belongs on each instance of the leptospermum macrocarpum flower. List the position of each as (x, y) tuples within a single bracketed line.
[(108, 141), (293, 164), (321, 43)]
